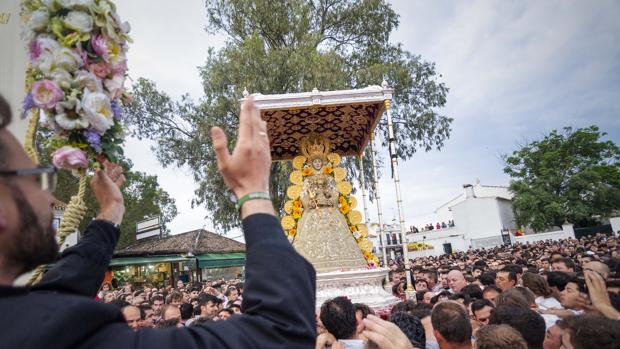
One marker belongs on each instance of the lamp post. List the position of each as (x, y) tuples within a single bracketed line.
[(377, 196)]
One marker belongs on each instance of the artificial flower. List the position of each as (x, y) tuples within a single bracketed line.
[(38, 20), (67, 59), (345, 209), (328, 170), (296, 213), (61, 77), (46, 93), (28, 103), (89, 81), (115, 86), (43, 45), (98, 111), (94, 140), (79, 21), (69, 114), (100, 46), (82, 4), (69, 158), (117, 110), (292, 232), (100, 69), (307, 172), (297, 203)]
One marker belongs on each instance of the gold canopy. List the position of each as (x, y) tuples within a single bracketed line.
[(346, 118)]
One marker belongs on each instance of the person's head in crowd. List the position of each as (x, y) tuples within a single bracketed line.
[(132, 316), (512, 298), (598, 267), (488, 278), (589, 332), (481, 311), (239, 286), (421, 285), (193, 292), (529, 323), (225, 314), (108, 297), (456, 280), (427, 297), (338, 317), (236, 308), (412, 328), (170, 312), (553, 337), (179, 284), (361, 312), (472, 292), (443, 278), (146, 313), (506, 278), (491, 293), (187, 311), (477, 271), (176, 298), (563, 264), (499, 337), (405, 306), (575, 295), (451, 325), (440, 297), (157, 303), (430, 275), (536, 284), (231, 294), (459, 297), (421, 311), (545, 264), (557, 281)]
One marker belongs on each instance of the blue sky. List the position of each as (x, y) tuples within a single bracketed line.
[(516, 70)]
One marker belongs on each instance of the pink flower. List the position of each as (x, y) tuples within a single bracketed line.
[(100, 69), (45, 94), (69, 158), (100, 46)]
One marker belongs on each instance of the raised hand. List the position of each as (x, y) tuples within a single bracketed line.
[(106, 186), (385, 334)]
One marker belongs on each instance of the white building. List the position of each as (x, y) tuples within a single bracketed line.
[(482, 217)]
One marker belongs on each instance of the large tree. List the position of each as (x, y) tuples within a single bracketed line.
[(569, 175), (286, 47)]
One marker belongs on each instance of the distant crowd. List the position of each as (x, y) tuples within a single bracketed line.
[(430, 226), (537, 295)]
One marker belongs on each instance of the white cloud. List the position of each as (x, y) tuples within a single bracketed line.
[(515, 71)]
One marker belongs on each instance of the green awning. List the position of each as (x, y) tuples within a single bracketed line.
[(148, 260), (221, 260)]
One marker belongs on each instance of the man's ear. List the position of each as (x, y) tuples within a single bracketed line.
[(438, 336)]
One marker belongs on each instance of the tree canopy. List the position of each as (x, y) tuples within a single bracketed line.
[(287, 47), (569, 175)]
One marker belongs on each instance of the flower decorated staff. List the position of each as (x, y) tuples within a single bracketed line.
[(75, 80), (78, 63)]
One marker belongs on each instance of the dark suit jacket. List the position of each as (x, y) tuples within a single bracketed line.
[(60, 312)]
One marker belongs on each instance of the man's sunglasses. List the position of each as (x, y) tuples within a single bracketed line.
[(46, 176)]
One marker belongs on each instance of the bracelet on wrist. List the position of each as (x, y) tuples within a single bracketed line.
[(251, 196)]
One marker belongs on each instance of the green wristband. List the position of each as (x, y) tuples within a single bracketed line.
[(251, 196)]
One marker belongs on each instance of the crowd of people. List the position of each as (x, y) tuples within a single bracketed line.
[(430, 226), (538, 295)]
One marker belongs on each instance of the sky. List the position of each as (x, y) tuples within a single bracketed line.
[(515, 69)]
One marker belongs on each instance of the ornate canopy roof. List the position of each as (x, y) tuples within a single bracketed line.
[(346, 118)]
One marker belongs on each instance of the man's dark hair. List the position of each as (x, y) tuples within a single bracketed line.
[(239, 286), (591, 331), (364, 309), (451, 320), (512, 276), (513, 298), (412, 328), (421, 310), (480, 303), (143, 308), (157, 298), (432, 273), (338, 317), (567, 261), (558, 279), (488, 278), (203, 298), (515, 268), (528, 322), (186, 310), (473, 291), (491, 288)]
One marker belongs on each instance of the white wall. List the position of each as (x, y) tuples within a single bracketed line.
[(478, 218), (554, 235), (615, 224), (459, 243), (507, 216)]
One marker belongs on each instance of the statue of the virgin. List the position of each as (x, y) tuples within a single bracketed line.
[(323, 235)]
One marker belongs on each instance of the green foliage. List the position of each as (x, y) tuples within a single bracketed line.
[(142, 195), (287, 47), (570, 175)]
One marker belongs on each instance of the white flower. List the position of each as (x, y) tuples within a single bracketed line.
[(79, 21), (47, 44), (63, 78), (76, 3), (38, 20), (67, 59), (98, 111), (45, 63), (69, 114), (89, 81), (115, 86)]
